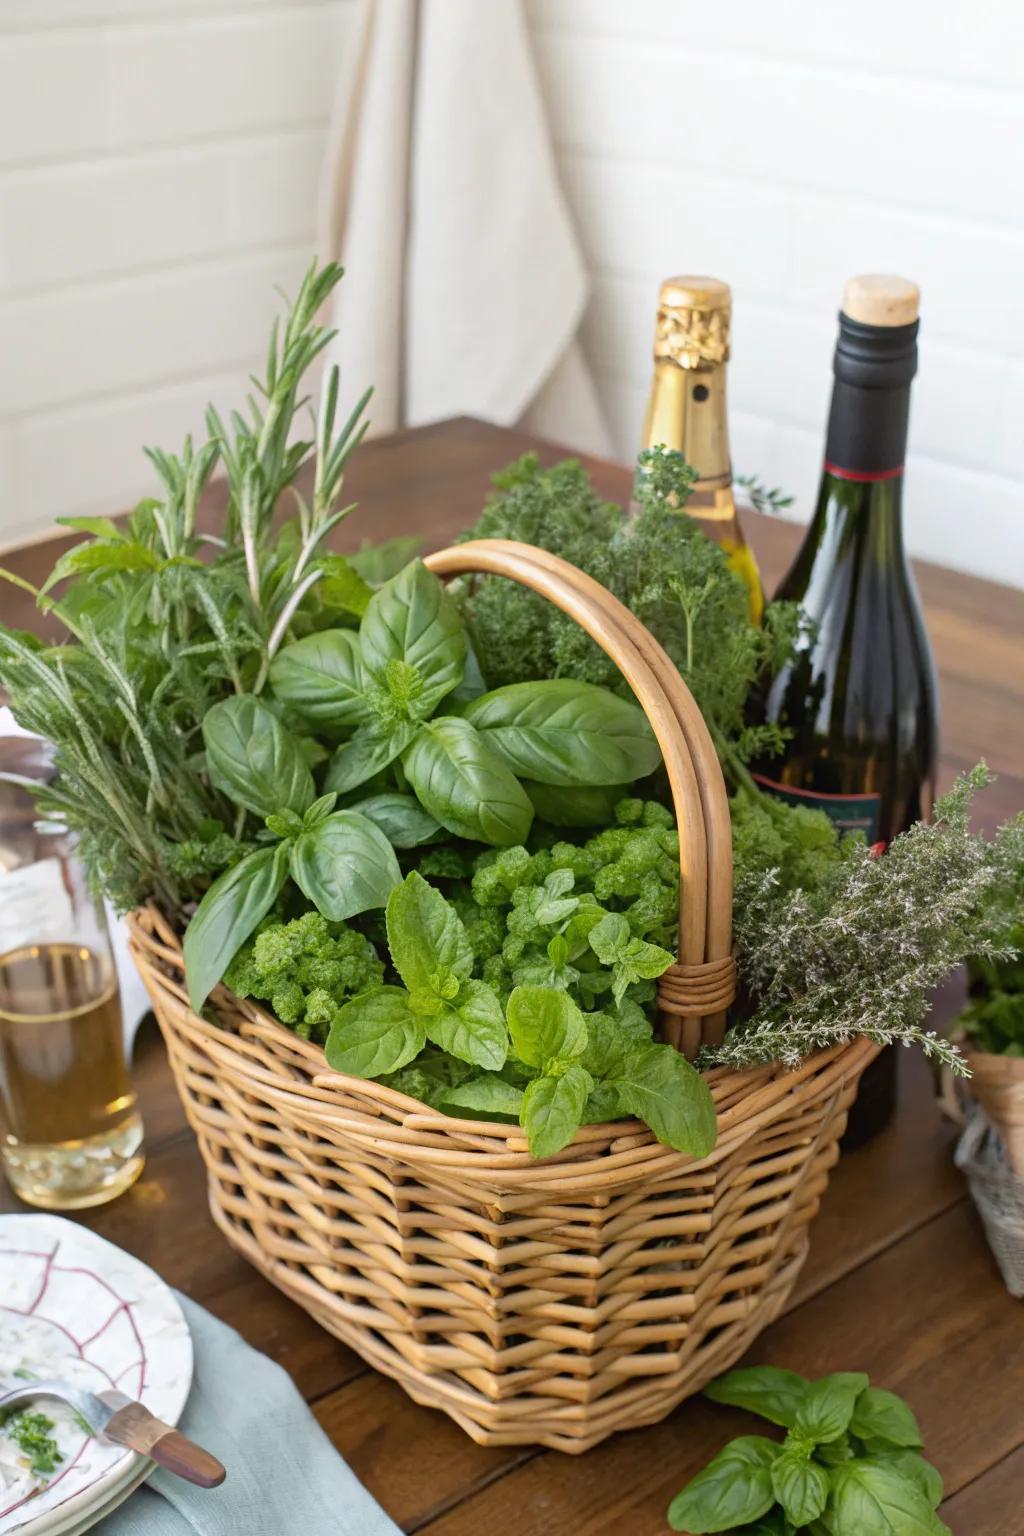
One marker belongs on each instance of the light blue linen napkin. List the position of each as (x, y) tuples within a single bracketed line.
[(284, 1475)]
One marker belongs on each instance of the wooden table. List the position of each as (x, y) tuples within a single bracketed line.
[(899, 1281)]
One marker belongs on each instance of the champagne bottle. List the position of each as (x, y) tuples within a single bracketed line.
[(859, 697), (687, 411)]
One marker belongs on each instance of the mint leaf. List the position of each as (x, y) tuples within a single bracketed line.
[(374, 1034), (881, 1415), (488, 1094), (631, 959), (545, 1025), (474, 1029), (427, 941), (766, 1390), (827, 1408), (800, 1485), (660, 1087), (734, 1489), (553, 1109)]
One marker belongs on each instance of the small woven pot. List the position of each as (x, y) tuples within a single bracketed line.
[(997, 1083), (538, 1303)]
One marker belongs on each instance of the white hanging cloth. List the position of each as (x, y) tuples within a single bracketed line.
[(464, 284)]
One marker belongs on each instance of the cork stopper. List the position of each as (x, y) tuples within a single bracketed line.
[(692, 328), (880, 299), (695, 293)]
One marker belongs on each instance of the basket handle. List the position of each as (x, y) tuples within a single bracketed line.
[(693, 994)]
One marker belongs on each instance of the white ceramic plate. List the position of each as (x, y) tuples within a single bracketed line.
[(75, 1306)]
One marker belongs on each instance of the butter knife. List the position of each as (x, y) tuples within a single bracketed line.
[(112, 1416)]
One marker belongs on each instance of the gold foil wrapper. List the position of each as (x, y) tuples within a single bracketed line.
[(692, 328)]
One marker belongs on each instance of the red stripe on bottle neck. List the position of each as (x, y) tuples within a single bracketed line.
[(862, 476)]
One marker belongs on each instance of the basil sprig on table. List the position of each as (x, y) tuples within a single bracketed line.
[(850, 1464), (340, 860), (473, 769), (539, 1060)]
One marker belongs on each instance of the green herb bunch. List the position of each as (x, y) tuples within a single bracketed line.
[(530, 1053), (305, 969), (32, 1433), (994, 1017), (379, 689), (850, 1463), (858, 947), (660, 564), (164, 619)]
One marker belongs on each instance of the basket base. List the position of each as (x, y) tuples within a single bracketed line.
[(573, 1430)]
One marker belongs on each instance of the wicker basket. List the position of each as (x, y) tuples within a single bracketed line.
[(546, 1303)]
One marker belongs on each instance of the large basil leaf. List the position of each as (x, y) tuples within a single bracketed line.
[(428, 943), (660, 1087), (374, 1034), (253, 758), (577, 805), (871, 1498), (732, 1490), (566, 732), (546, 1026), (372, 748), (464, 786), (827, 1406), (413, 620), (766, 1390), (227, 915), (881, 1415), (322, 677), (486, 1095), (553, 1109), (472, 1028), (800, 1484), (401, 818), (344, 865), (912, 1465)]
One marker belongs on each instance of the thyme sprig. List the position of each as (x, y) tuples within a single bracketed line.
[(859, 952)]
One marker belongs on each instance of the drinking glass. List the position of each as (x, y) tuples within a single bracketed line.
[(72, 1135)]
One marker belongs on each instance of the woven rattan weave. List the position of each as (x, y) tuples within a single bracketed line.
[(542, 1303)]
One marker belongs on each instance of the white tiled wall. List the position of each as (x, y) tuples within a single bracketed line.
[(158, 170), (783, 147), (158, 176)]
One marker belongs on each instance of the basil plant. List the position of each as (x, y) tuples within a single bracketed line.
[(400, 702)]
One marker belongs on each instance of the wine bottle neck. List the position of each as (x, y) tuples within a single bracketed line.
[(867, 432), (867, 424), (687, 412)]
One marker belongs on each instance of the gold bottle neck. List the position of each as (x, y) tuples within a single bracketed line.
[(687, 412)]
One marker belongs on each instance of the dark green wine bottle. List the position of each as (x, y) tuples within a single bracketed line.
[(859, 698)]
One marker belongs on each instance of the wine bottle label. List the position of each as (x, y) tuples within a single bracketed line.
[(848, 813)]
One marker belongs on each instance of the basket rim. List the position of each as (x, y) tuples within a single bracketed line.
[(156, 949)]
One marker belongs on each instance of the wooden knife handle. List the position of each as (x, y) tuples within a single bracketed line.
[(133, 1425), (179, 1455)]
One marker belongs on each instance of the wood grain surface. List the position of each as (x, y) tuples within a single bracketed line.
[(899, 1281)]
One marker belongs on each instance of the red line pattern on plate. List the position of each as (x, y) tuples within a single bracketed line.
[(51, 1267)]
